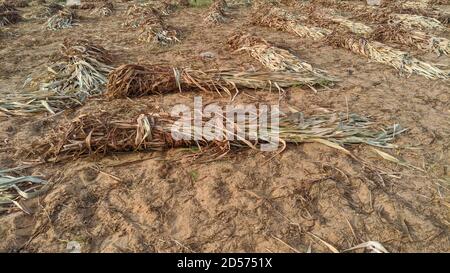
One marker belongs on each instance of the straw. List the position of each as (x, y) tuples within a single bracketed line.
[(134, 80), (102, 134), (14, 189)]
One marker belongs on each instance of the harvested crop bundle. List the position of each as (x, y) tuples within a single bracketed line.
[(416, 21), (134, 80), (9, 17), (165, 8), (86, 6), (418, 39), (159, 34), (274, 18), (49, 10), (138, 16), (17, 3), (354, 27), (216, 13), (14, 189), (104, 10), (63, 19), (274, 58), (376, 51), (103, 133), (402, 61), (81, 72), (7, 7)]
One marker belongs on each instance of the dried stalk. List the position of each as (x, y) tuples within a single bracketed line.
[(274, 58), (80, 72), (134, 80), (102, 134)]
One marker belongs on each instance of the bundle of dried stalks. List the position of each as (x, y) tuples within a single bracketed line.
[(14, 189), (165, 8), (7, 7), (151, 23), (159, 34), (134, 80), (420, 8), (436, 2), (402, 61), (409, 5), (418, 39), (48, 10), (80, 72), (63, 19), (104, 10), (139, 16), (216, 13), (86, 6), (9, 17), (416, 21), (354, 27), (17, 3), (100, 134), (274, 58), (273, 18)]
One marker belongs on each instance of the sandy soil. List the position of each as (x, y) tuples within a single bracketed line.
[(248, 201)]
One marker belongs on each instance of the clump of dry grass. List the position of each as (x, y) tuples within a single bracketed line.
[(274, 58), (80, 72), (381, 53), (9, 17), (418, 39), (216, 13), (14, 189), (105, 9), (103, 133), (63, 19), (134, 80), (282, 20)]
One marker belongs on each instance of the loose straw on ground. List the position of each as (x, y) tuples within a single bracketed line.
[(14, 189)]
